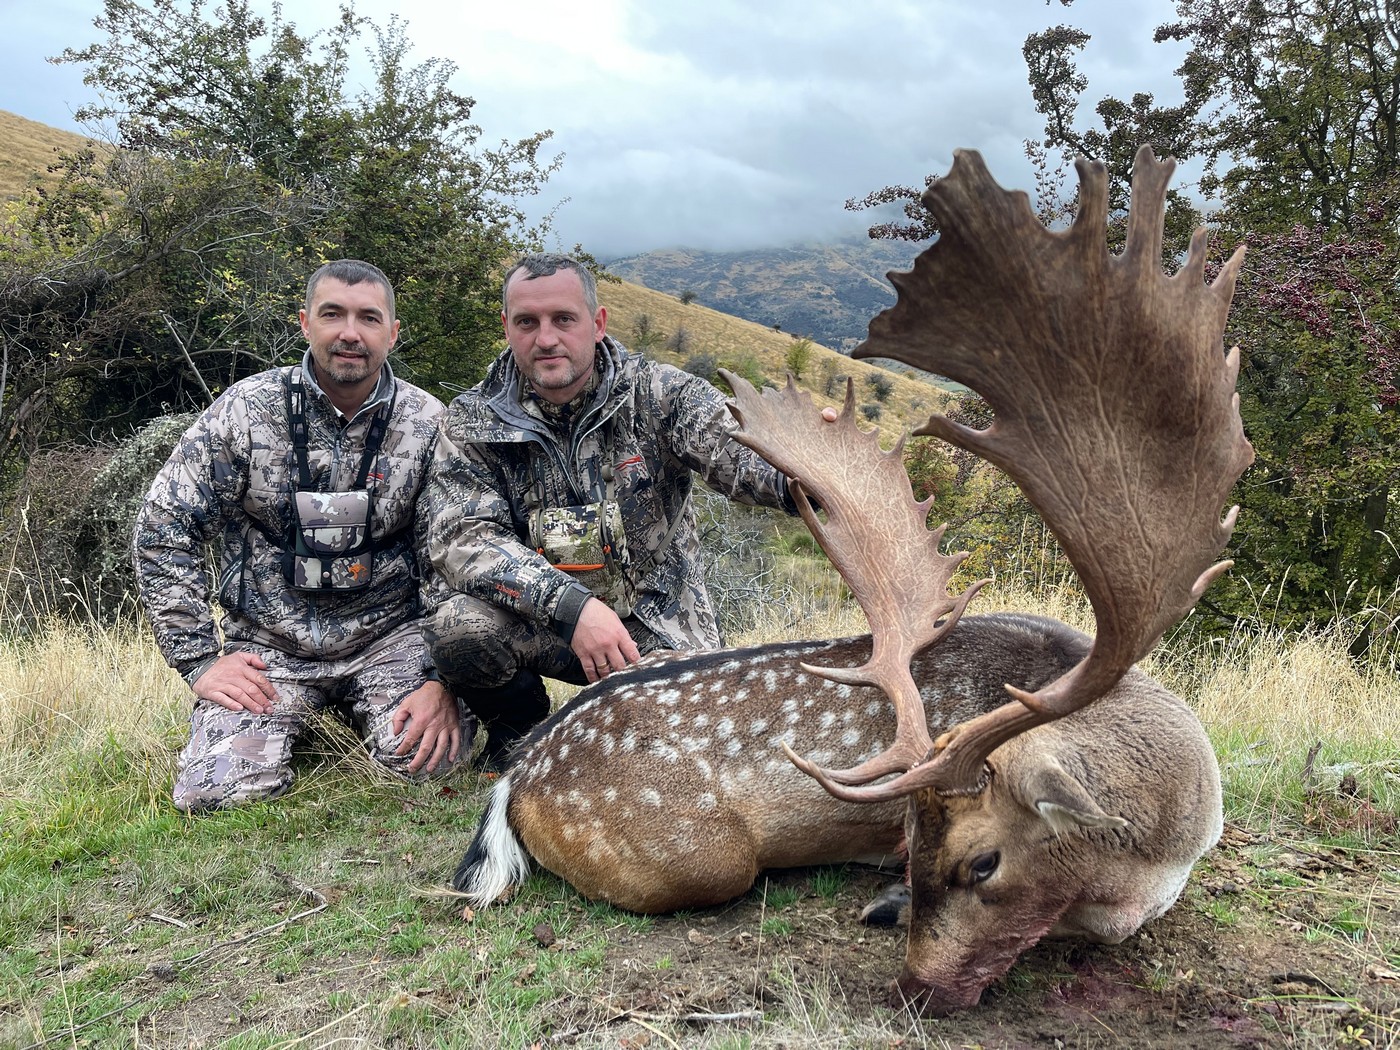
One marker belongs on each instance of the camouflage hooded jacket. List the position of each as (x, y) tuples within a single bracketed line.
[(654, 425), (230, 481)]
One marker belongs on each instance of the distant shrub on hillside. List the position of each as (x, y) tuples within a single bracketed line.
[(645, 335), (704, 365), (798, 357), (680, 341), (881, 385)]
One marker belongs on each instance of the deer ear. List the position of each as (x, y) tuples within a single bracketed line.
[(1059, 799)]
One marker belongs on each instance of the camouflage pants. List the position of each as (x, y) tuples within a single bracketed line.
[(238, 756), (482, 646)]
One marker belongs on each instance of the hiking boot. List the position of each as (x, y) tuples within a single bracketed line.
[(507, 713)]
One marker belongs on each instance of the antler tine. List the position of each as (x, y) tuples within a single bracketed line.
[(1114, 406), (876, 535)]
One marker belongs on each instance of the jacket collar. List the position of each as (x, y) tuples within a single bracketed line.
[(382, 394), (505, 384)]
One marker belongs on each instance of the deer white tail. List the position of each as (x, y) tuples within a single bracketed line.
[(496, 863)]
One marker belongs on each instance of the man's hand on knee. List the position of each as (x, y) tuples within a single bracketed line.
[(236, 681), (601, 642), (427, 720)]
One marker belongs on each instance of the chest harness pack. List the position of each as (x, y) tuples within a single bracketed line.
[(585, 540), (588, 541), (331, 547)]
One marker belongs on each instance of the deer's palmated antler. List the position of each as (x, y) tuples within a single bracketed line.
[(876, 535), (1114, 403)]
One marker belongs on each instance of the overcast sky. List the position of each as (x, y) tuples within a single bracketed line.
[(718, 124)]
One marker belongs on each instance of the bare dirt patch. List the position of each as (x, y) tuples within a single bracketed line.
[(1235, 964)]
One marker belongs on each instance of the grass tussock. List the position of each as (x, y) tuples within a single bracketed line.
[(79, 690)]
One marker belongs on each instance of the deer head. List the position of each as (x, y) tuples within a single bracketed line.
[(1115, 412)]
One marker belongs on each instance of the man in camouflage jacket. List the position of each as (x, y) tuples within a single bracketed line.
[(296, 639), (567, 418)]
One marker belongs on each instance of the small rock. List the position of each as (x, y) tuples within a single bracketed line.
[(544, 934)]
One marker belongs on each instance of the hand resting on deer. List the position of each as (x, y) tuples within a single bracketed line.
[(1077, 804)]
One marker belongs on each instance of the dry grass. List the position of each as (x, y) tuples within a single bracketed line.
[(1301, 688), (910, 401), (73, 690), (27, 148)]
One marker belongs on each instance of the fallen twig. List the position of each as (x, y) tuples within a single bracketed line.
[(643, 1018), (308, 891), (289, 1043), (69, 1033)]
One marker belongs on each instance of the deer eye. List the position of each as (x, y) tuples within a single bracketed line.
[(983, 865)]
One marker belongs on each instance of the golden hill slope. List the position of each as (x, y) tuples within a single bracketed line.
[(727, 338), (27, 148)]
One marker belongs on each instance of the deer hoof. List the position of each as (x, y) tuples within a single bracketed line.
[(890, 908)]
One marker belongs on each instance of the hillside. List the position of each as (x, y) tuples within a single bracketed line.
[(827, 292), (28, 148), (729, 339)]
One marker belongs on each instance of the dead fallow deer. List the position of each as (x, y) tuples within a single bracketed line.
[(666, 787)]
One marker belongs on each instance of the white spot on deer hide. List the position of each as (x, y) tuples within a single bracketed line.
[(651, 797), (666, 751), (758, 725)]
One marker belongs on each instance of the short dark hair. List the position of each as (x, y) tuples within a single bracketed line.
[(351, 271), (544, 264)]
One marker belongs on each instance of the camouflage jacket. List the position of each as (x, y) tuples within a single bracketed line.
[(499, 455), (229, 481)]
